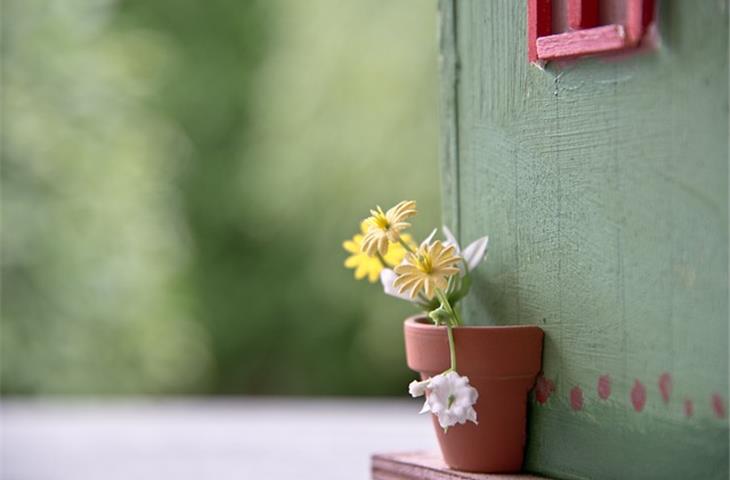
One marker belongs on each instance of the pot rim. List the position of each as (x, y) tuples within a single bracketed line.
[(420, 322), (494, 352)]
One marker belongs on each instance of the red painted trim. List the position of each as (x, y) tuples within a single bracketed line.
[(582, 14), (590, 41), (585, 37), (634, 21), (648, 14), (539, 24)]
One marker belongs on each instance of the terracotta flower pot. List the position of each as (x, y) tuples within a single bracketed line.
[(501, 363)]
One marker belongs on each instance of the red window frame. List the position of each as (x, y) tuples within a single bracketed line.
[(584, 35)]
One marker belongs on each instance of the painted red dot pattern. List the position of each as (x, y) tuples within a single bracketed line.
[(718, 405), (665, 386), (638, 395), (576, 398), (545, 387), (604, 387)]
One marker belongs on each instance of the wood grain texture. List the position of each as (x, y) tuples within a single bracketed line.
[(603, 185), (448, 69), (428, 466)]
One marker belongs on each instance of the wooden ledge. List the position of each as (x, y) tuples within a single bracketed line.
[(428, 466)]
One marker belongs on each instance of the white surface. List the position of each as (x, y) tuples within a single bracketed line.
[(205, 439)]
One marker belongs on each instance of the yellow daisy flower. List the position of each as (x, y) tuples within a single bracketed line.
[(427, 269), (385, 228), (366, 266)]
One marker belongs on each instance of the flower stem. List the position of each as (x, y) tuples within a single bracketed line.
[(447, 305), (454, 322), (405, 245), (452, 347), (382, 261)]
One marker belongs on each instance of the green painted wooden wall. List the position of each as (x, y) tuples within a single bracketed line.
[(603, 185)]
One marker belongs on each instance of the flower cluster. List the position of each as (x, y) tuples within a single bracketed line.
[(434, 275), (449, 397), (371, 267)]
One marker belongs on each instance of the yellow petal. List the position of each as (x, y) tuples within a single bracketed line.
[(360, 272), (409, 282), (352, 246), (417, 287), (395, 257), (428, 286), (352, 261), (407, 268), (383, 245), (402, 279), (374, 274)]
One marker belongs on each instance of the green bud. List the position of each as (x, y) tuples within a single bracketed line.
[(440, 315)]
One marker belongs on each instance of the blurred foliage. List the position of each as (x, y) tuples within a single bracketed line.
[(178, 177)]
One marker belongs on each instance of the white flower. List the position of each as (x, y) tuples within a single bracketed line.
[(473, 253), (430, 237), (451, 399), (418, 389)]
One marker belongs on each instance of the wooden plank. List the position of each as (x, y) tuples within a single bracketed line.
[(603, 185), (582, 14), (449, 71), (428, 466), (581, 42)]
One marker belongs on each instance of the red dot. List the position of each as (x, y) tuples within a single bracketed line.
[(638, 396), (665, 386), (718, 405), (604, 387), (576, 398), (543, 389), (689, 408)]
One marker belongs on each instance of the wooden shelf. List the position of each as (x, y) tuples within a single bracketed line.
[(428, 466)]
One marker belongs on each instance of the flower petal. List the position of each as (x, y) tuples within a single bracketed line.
[(387, 277), (361, 271), (471, 415), (352, 246), (450, 238), (452, 399), (429, 238), (373, 274), (417, 286), (475, 252), (417, 388)]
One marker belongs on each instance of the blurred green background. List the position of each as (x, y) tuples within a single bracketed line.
[(177, 180)]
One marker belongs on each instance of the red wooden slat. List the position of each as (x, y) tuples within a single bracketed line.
[(634, 21), (582, 14), (539, 24), (581, 42)]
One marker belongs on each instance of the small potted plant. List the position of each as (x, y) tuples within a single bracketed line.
[(475, 379)]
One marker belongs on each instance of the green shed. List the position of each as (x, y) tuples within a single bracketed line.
[(603, 185)]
